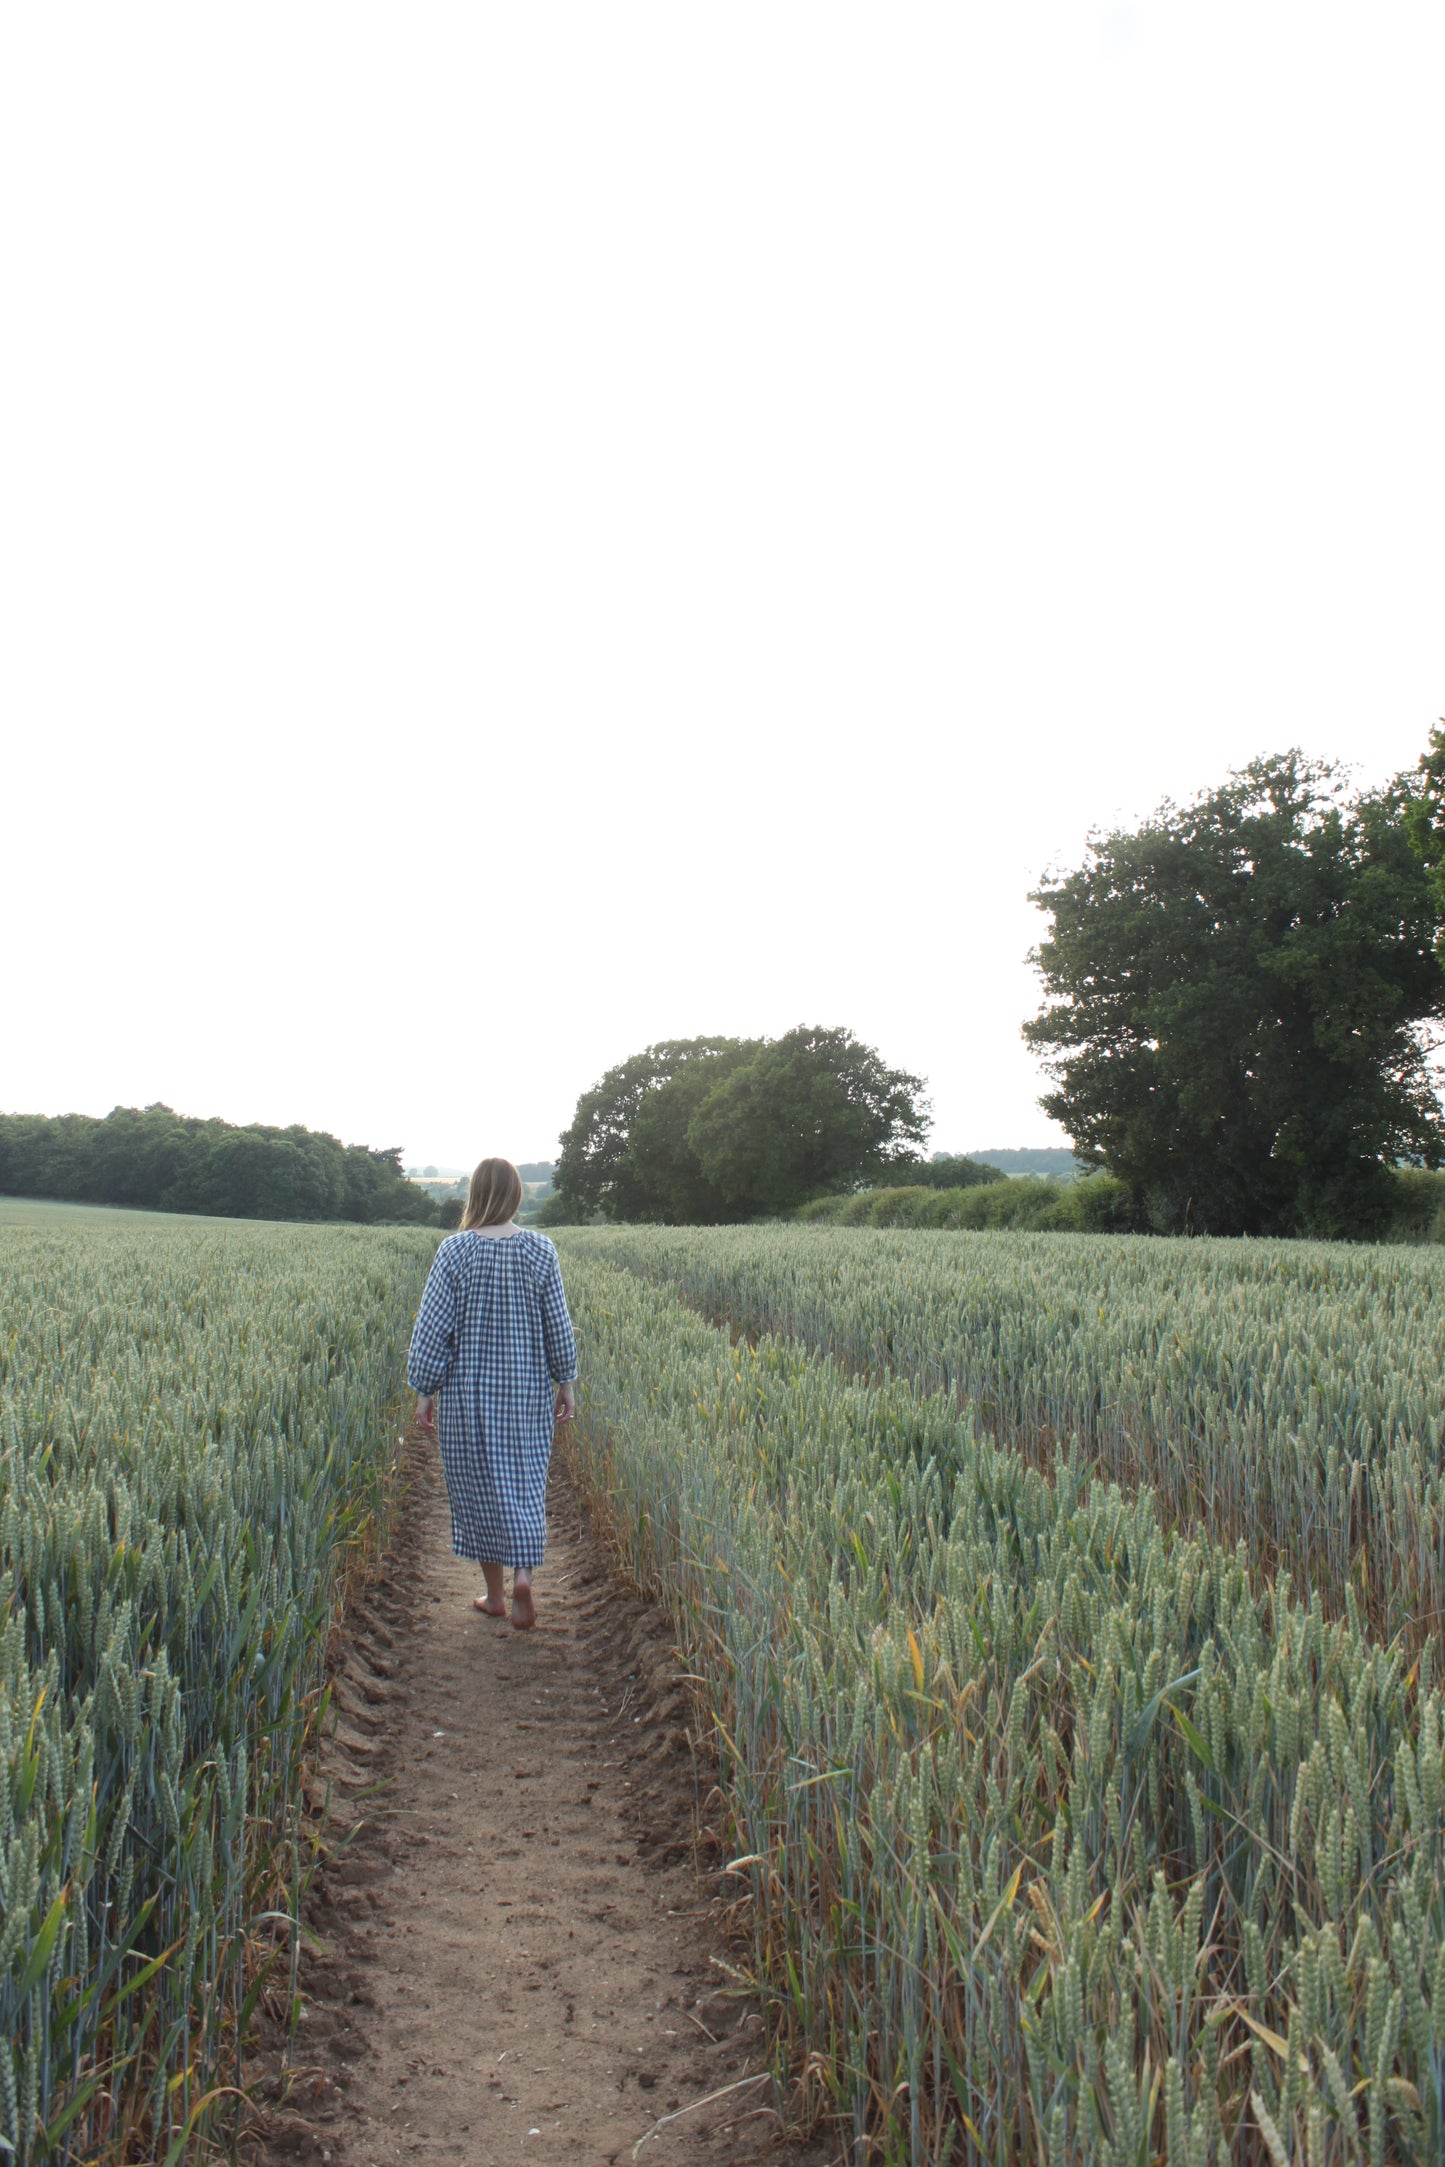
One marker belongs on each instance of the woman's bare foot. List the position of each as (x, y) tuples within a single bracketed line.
[(494, 1603), (524, 1610)]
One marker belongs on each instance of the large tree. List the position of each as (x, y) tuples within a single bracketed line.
[(597, 1169), (1236, 996), (670, 1185), (706, 1129), (813, 1111)]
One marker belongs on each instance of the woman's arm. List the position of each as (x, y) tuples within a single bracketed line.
[(558, 1338), (433, 1339)]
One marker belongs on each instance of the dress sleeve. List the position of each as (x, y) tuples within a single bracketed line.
[(434, 1337), (557, 1335)]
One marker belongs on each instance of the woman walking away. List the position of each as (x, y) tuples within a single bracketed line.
[(493, 1355)]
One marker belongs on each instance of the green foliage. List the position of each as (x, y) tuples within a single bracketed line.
[(197, 1434), (669, 1184), (1099, 1204), (155, 1160), (696, 1131), (1057, 1835), (555, 1210), (945, 1170), (1417, 1208), (813, 1110), (1421, 798), (1234, 996), (596, 1169)]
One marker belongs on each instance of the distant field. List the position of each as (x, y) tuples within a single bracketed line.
[(38, 1212)]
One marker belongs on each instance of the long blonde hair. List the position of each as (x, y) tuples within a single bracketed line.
[(494, 1196)]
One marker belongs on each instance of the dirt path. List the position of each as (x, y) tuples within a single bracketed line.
[(516, 1955)]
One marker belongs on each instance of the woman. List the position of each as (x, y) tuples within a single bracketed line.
[(493, 1343)]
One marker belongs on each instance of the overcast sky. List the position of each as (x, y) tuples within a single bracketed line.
[(527, 530)]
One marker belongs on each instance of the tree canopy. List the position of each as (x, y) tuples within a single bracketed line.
[(1235, 1001), (1421, 801), (708, 1129), (596, 1169), (153, 1159), (946, 1170)]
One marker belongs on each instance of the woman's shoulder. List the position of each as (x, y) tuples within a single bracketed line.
[(460, 1247), (467, 1243)]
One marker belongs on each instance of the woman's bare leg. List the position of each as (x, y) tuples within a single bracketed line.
[(524, 1610), (494, 1603)]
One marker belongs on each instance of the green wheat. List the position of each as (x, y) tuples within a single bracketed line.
[(1060, 1835), (195, 1438)]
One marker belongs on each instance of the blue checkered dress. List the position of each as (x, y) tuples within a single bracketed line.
[(493, 1338)]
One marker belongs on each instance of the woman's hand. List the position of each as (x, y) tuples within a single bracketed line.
[(426, 1412), (564, 1406)]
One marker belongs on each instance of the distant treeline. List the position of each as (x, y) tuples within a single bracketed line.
[(1046, 1159), (945, 1170), (536, 1171), (155, 1160), (1094, 1204), (1031, 1202)]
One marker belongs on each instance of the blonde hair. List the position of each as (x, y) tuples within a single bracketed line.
[(494, 1196)]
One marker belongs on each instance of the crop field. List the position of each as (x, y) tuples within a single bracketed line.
[(1061, 1615), (197, 1426), (1281, 1394), (1064, 1612), (39, 1214)]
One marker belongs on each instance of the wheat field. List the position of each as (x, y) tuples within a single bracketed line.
[(1064, 1827), (1281, 1394), (197, 1433), (1060, 1615)]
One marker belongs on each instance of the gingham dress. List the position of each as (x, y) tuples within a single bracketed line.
[(492, 1339)]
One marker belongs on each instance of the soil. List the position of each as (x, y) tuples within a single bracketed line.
[(517, 1948)]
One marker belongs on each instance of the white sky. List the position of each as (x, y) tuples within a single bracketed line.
[(526, 530)]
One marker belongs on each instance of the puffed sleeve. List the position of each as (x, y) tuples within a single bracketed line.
[(434, 1338), (557, 1334)]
